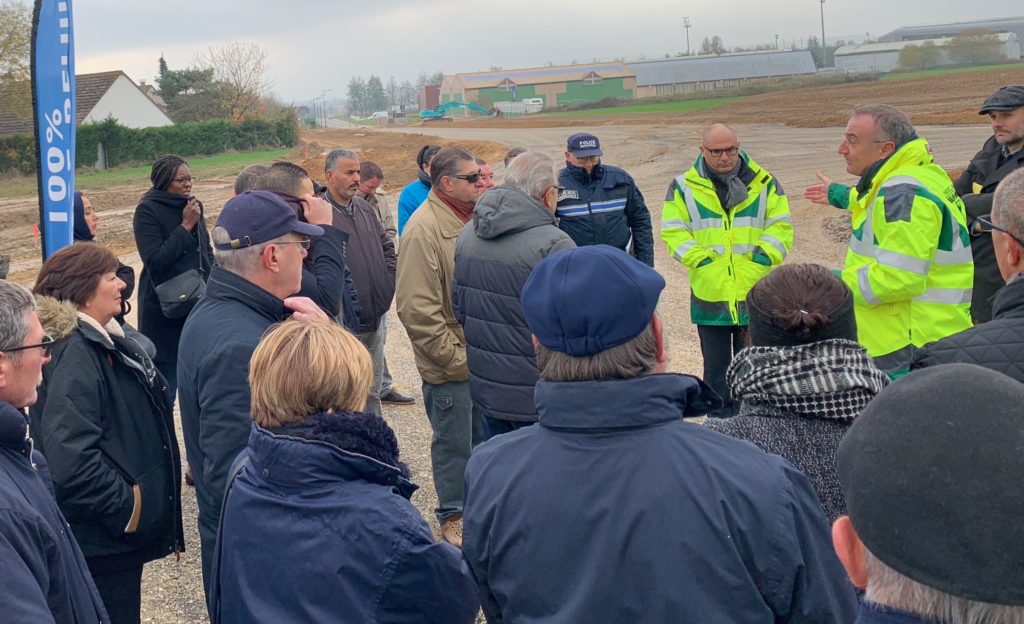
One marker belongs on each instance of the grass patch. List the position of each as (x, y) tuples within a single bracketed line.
[(956, 69), (654, 107), (204, 168)]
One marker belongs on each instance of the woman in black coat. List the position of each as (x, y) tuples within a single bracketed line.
[(804, 377), (171, 237), (103, 421)]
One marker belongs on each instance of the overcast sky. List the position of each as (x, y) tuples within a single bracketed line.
[(320, 44)]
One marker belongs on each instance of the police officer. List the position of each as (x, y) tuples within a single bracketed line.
[(599, 204), (1002, 154), (727, 220)]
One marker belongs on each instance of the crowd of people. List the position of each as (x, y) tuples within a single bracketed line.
[(850, 454)]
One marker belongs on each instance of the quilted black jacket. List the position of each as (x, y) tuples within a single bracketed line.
[(997, 344)]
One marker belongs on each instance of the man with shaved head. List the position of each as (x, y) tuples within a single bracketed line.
[(727, 220)]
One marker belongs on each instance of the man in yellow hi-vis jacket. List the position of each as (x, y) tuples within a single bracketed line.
[(909, 263), (727, 220)]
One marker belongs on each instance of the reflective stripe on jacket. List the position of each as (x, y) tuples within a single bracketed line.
[(909, 263), (718, 246)]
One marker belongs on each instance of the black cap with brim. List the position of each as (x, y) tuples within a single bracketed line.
[(931, 471), (1010, 97)]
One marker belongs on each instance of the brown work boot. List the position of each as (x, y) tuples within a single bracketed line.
[(451, 530)]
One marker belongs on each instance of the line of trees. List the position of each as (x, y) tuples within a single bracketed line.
[(970, 47), (368, 96)]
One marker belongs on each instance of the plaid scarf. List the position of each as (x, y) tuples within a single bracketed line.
[(832, 379)]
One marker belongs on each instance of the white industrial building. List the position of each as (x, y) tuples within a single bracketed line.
[(692, 74), (885, 57)]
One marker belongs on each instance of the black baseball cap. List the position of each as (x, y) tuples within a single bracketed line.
[(1010, 97), (255, 217), (584, 144)]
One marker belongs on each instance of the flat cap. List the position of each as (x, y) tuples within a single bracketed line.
[(1006, 98), (932, 475)]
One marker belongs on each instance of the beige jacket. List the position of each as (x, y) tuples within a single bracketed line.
[(426, 269), (379, 201)]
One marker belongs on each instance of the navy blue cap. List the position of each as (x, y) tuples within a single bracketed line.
[(255, 217), (586, 300), (584, 144), (1010, 97)]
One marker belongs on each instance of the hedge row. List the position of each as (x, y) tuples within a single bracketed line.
[(141, 146)]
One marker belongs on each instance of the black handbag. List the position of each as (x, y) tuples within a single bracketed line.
[(182, 292)]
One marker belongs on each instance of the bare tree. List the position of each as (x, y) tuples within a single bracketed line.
[(15, 47), (242, 71)]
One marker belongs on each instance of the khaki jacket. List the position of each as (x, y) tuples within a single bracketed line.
[(379, 201), (426, 268)]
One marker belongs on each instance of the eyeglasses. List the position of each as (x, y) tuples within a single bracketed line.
[(718, 151), (185, 180), (472, 178), (306, 243), (981, 225), (853, 141), (44, 346)]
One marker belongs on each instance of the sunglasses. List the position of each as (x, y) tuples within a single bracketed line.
[(472, 178), (44, 346), (982, 225)]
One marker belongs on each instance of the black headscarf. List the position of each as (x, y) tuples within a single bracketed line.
[(82, 232)]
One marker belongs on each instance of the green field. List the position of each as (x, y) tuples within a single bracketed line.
[(939, 71), (655, 107), (205, 167)]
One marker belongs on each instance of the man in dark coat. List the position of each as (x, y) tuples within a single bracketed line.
[(931, 474), (45, 578), (513, 228), (260, 246), (1002, 154), (599, 204), (999, 343), (613, 508), (370, 254)]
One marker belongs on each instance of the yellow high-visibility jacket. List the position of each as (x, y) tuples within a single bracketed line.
[(909, 263), (726, 251)]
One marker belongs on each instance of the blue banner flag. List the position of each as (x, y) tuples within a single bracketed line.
[(53, 103)]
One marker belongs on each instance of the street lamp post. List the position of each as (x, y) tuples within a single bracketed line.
[(824, 46), (776, 42), (686, 25)]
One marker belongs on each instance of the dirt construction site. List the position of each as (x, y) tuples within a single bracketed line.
[(793, 134)]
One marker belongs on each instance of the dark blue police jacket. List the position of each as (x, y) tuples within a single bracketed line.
[(616, 510)]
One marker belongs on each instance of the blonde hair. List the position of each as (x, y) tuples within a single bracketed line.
[(301, 368)]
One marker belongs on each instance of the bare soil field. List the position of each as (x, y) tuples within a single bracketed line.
[(652, 150)]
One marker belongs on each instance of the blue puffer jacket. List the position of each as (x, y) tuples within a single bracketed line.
[(604, 208), (318, 527), (614, 509), (510, 233)]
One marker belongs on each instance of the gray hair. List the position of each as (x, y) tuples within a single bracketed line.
[(533, 173), (1008, 204), (242, 262), (890, 588), (446, 163), (247, 178), (891, 124), (331, 161), (633, 358), (15, 303)]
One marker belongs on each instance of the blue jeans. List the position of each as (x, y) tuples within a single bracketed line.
[(497, 426), (457, 430)]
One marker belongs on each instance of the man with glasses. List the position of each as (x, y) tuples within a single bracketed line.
[(45, 577), (727, 221), (600, 204), (426, 270), (909, 262), (999, 343), (259, 245), (1002, 154)]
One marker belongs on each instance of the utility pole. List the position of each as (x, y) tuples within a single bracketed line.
[(323, 105), (686, 25), (776, 42), (824, 46)]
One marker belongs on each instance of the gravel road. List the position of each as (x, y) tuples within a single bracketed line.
[(653, 155)]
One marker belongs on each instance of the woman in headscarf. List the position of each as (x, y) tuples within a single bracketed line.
[(171, 236)]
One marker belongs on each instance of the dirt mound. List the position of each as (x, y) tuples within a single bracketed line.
[(394, 152)]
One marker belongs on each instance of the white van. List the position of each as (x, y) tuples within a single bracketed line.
[(379, 115)]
